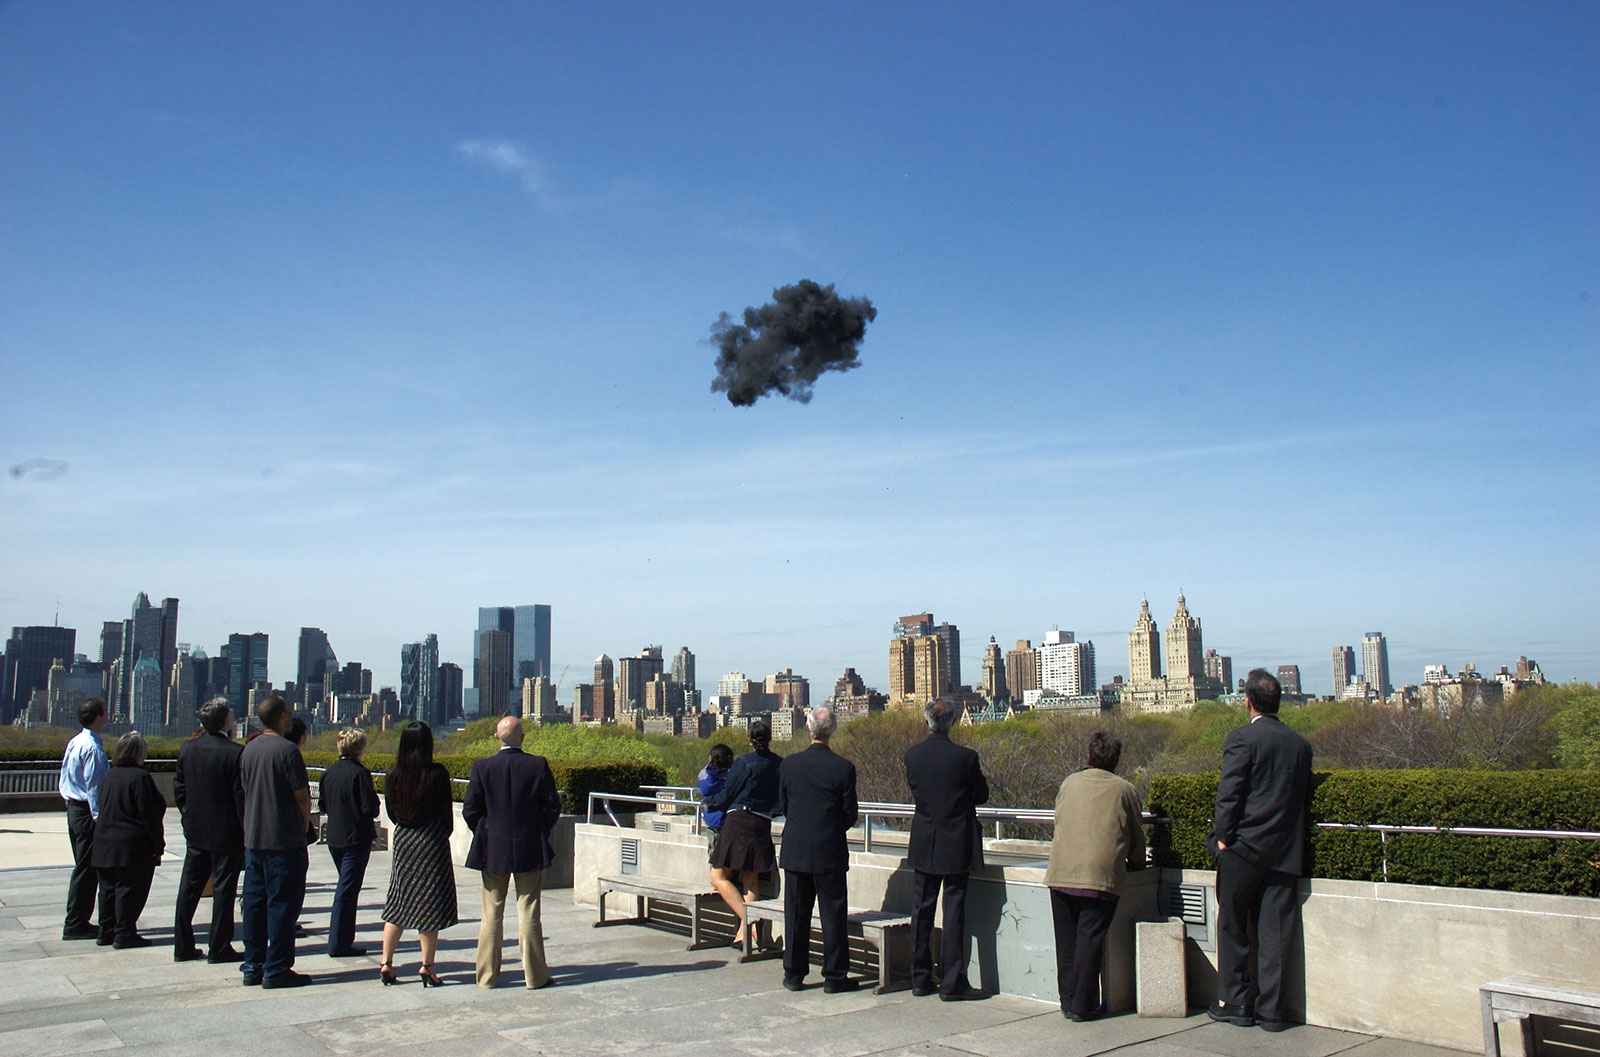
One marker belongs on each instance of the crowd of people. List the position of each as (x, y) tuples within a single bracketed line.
[(247, 810)]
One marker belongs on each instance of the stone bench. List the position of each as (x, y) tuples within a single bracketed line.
[(884, 930), (686, 894), (1524, 995)]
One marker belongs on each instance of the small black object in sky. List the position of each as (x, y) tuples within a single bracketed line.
[(784, 346)]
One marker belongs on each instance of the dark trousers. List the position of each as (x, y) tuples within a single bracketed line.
[(123, 891), (828, 892), (1253, 899), (952, 945), (81, 888), (352, 863), (274, 892), (221, 868), (1081, 925)]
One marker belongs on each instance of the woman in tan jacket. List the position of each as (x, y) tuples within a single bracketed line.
[(1099, 837)]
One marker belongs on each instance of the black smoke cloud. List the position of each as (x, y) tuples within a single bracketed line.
[(784, 346)]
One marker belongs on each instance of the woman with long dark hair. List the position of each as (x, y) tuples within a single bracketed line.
[(422, 880)]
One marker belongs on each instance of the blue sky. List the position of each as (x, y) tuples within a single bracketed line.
[(362, 316)]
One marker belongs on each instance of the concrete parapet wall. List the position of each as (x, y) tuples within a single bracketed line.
[(559, 874), (1404, 961)]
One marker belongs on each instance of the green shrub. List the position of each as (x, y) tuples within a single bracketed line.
[(1499, 799), (576, 779)]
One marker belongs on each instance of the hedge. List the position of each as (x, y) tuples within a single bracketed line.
[(575, 778), (1506, 799)]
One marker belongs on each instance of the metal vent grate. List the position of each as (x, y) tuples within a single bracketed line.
[(1192, 904), (630, 855), (661, 827)]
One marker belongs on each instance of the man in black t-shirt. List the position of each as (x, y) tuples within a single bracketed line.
[(277, 810)]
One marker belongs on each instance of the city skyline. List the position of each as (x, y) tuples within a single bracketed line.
[(312, 319), (1114, 651)]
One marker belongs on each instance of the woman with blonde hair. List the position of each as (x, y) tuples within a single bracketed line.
[(349, 804)]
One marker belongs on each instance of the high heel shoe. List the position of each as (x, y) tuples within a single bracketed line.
[(386, 974), (429, 977)]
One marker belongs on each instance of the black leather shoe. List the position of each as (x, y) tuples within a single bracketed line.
[(1272, 1025), (348, 952), (836, 987), (252, 979), (288, 979), (1225, 1014), (102, 941), (791, 983), (923, 992), (190, 955), (971, 994), (225, 956), (132, 942), (82, 932)]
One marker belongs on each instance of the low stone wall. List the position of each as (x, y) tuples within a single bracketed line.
[(559, 874), (1403, 961)]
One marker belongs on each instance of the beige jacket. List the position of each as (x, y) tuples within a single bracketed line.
[(1098, 833)]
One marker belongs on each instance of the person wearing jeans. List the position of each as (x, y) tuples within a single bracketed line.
[(277, 811)]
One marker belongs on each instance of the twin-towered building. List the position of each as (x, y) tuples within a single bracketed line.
[(1183, 679)]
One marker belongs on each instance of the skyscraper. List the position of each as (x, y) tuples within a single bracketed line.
[(1066, 666), (683, 668), (247, 666), (429, 706), (29, 654), (142, 636), (1144, 648), (316, 662), (492, 672), (920, 665), (1022, 669), (633, 673), (994, 673), (1185, 658), (1344, 668), (410, 665), (1289, 678), (169, 634), (530, 642), (605, 690), (1219, 667), (448, 707), (146, 699), (181, 700), (1375, 662)]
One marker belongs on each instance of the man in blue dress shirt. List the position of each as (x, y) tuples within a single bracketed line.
[(83, 766)]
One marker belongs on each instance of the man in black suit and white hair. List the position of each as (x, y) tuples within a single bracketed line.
[(1259, 835), (946, 845), (817, 796)]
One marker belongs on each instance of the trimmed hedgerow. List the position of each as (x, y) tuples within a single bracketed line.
[(575, 778), (1507, 799)]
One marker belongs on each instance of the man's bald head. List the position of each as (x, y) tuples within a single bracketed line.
[(509, 731)]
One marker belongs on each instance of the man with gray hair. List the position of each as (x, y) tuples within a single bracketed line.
[(817, 796), (947, 785), (210, 796), (511, 807)]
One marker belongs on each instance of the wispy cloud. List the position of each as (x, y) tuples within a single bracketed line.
[(513, 159)]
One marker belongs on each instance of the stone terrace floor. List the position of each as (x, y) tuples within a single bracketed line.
[(622, 990)]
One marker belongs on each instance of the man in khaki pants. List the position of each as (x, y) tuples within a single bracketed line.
[(511, 805)]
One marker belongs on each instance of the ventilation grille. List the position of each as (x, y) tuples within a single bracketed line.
[(661, 827), (1191, 904), (630, 856)]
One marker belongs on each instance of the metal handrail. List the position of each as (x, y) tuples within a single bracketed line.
[(1383, 829)]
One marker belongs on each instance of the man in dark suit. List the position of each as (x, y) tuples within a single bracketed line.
[(1259, 835), (511, 807), (210, 796), (817, 796), (946, 845)]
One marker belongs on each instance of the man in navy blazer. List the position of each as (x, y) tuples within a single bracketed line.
[(511, 806), (947, 785), (817, 797), (1259, 836)]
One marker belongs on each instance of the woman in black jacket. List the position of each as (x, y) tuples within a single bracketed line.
[(128, 841), (422, 879), (350, 804)]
